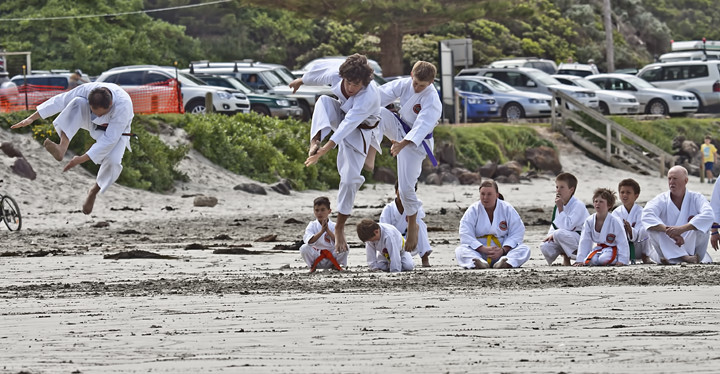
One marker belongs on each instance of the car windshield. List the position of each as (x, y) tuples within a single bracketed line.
[(586, 84), (637, 82), (284, 74), (543, 78), (190, 80), (272, 79), (498, 85), (232, 81)]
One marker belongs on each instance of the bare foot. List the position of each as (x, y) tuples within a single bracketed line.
[(480, 264), (647, 260), (340, 242), (54, 149), (426, 260), (664, 261), (502, 264), (90, 200), (566, 260), (691, 259)]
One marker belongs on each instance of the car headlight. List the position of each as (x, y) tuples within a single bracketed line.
[(474, 101), (622, 100), (224, 95), (579, 95), (537, 101), (282, 102)]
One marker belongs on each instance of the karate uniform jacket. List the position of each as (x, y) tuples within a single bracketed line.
[(324, 241), (571, 218), (388, 248), (634, 217), (695, 209), (420, 111), (612, 234), (507, 225)]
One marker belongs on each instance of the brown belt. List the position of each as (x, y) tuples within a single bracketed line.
[(366, 126)]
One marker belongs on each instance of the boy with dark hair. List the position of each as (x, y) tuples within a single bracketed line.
[(568, 216), (319, 248), (395, 214), (410, 132), (606, 232), (353, 117), (384, 247), (630, 214)]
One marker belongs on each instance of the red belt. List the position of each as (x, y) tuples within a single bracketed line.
[(325, 254), (602, 246)]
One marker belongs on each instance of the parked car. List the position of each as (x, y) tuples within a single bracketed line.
[(611, 102), (581, 70), (263, 103), (534, 80), (193, 90), (270, 78), (547, 66), (477, 106), (299, 73), (652, 100), (692, 50), (702, 78), (512, 103), (40, 85)]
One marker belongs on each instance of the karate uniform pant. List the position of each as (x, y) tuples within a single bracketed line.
[(696, 243), (383, 264), (409, 161), (310, 254), (603, 258), (327, 115), (646, 248), (564, 241), (77, 116), (515, 258)]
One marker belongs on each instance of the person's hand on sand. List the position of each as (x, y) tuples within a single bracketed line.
[(578, 264), (619, 264), (548, 239)]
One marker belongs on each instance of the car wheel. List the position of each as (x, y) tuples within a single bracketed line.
[(306, 112), (261, 109), (657, 106), (196, 106), (604, 109), (513, 111)]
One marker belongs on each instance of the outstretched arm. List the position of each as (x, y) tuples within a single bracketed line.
[(27, 121)]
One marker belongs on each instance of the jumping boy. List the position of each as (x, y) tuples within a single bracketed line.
[(568, 217), (353, 117), (491, 233), (630, 214), (319, 249), (410, 132), (384, 247), (604, 230), (395, 214)]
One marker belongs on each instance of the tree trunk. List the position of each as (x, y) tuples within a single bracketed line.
[(391, 51)]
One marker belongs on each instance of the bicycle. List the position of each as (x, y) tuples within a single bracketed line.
[(10, 213)]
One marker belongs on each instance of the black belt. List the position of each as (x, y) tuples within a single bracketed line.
[(367, 126), (104, 126)]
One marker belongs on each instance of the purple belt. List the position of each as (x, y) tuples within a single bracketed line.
[(429, 136)]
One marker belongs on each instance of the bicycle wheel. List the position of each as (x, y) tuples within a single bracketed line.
[(10, 213)]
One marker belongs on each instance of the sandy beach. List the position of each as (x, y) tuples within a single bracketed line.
[(64, 308)]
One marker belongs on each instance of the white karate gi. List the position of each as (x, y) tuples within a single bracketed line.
[(566, 236), (506, 226), (387, 254), (695, 209), (421, 112), (311, 251), (343, 116), (392, 216), (75, 114), (640, 237), (612, 234)]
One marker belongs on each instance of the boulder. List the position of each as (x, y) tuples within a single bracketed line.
[(488, 170), (202, 200), (445, 154), (543, 158), (283, 187), (9, 150), (448, 178), (252, 188), (469, 178), (433, 179), (508, 168), (22, 168), (384, 175)]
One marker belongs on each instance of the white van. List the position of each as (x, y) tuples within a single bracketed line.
[(702, 78), (547, 66), (692, 50)]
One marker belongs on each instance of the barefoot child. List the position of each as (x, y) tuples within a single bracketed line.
[(384, 247), (105, 111), (603, 241), (319, 248), (353, 117), (491, 233), (395, 214), (411, 133), (630, 214), (568, 216)]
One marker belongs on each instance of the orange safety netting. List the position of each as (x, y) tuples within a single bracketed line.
[(160, 97)]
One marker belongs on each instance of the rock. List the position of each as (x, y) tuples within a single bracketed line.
[(283, 187), (543, 158), (252, 188), (470, 178), (137, 254), (488, 170), (445, 154), (209, 201), (9, 150), (384, 175), (22, 168), (433, 179), (449, 178), (267, 238), (427, 169), (505, 170)]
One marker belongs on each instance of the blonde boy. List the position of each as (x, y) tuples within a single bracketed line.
[(410, 132), (384, 247), (568, 217), (606, 232), (319, 249), (709, 153)]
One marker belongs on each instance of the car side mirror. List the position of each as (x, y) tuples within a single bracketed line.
[(531, 84)]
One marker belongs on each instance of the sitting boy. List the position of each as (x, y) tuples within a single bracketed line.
[(395, 214), (319, 249), (568, 216), (384, 247), (606, 232)]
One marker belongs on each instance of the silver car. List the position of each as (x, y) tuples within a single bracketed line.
[(611, 102), (652, 100), (513, 104)]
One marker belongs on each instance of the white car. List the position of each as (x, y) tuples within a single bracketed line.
[(702, 78), (611, 102), (652, 100), (193, 90), (581, 70)]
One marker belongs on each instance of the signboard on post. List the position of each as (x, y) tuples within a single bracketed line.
[(446, 81), (462, 51)]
